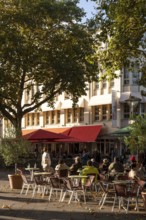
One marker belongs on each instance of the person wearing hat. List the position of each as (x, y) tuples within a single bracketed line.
[(77, 165), (104, 166)]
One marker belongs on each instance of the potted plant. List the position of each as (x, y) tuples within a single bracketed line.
[(12, 150)]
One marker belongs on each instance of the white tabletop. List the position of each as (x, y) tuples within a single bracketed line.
[(42, 173), (77, 176), (31, 168)]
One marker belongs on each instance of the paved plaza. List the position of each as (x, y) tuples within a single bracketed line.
[(14, 206)]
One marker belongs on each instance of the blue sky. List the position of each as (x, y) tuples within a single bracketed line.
[(88, 7)]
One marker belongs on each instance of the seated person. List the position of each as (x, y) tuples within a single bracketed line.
[(61, 166), (75, 166), (104, 166), (89, 169), (136, 173), (115, 167)]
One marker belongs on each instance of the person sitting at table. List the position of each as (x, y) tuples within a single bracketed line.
[(103, 168), (115, 167), (89, 169), (46, 160), (61, 166), (76, 166), (136, 173)]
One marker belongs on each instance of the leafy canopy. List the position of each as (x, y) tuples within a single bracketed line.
[(136, 141), (44, 49), (121, 26)]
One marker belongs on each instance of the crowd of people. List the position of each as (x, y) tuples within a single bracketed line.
[(85, 165)]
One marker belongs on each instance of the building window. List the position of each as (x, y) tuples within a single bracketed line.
[(104, 84), (104, 112), (135, 75), (33, 119), (110, 112), (96, 113), (142, 106), (75, 115), (111, 84), (81, 114), (52, 117), (126, 111), (126, 76), (46, 118), (68, 115), (28, 120), (37, 118), (58, 117)]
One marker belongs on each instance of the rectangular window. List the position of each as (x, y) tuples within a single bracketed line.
[(110, 113), (104, 84), (68, 115), (58, 117), (81, 114), (126, 76), (104, 112), (52, 117), (33, 119), (142, 106), (96, 113), (75, 115), (126, 111), (135, 75), (46, 118), (37, 118)]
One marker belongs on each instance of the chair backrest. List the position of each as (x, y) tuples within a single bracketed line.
[(24, 179), (38, 179), (55, 182), (68, 183), (90, 179), (122, 177), (121, 190), (63, 173)]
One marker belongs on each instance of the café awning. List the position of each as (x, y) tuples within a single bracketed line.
[(85, 133)]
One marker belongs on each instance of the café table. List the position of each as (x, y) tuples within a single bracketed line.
[(76, 179), (31, 170)]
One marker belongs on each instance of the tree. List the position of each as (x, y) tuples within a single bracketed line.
[(121, 26), (44, 49), (136, 141)]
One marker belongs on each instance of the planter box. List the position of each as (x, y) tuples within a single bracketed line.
[(144, 198), (15, 181)]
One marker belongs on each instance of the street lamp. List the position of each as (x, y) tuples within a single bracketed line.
[(1, 127), (132, 101)]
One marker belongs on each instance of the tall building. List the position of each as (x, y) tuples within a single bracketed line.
[(106, 104)]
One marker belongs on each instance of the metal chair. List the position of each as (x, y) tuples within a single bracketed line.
[(41, 185), (27, 184), (126, 193), (74, 191), (56, 185)]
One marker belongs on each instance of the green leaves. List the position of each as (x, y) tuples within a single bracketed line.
[(42, 43), (136, 141)]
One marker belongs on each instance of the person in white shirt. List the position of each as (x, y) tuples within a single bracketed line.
[(46, 160)]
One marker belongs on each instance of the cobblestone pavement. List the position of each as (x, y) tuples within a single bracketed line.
[(14, 206)]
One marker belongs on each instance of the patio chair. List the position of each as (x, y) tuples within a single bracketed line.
[(126, 193), (108, 192), (41, 185), (74, 191), (27, 184), (56, 185)]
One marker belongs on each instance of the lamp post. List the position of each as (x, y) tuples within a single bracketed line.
[(132, 101), (1, 127)]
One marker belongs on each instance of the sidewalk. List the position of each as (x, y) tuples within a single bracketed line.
[(14, 206)]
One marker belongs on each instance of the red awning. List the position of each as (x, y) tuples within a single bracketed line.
[(41, 134), (85, 133)]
